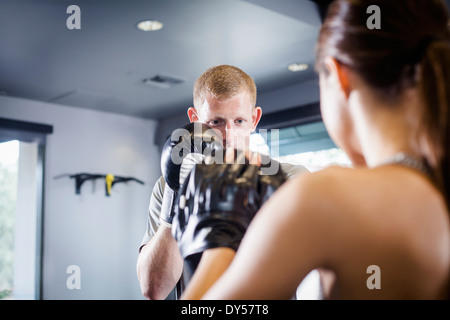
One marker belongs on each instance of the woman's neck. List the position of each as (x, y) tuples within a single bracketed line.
[(385, 129)]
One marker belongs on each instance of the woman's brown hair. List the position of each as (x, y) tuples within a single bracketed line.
[(410, 49)]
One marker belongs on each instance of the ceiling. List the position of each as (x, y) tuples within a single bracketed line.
[(102, 66)]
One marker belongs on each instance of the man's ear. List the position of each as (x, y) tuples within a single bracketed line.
[(257, 113), (340, 73), (192, 114)]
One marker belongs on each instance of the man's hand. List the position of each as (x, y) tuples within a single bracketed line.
[(192, 141)]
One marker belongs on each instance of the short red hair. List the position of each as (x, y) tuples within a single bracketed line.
[(223, 82)]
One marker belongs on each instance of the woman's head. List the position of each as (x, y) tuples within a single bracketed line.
[(386, 58), (410, 50)]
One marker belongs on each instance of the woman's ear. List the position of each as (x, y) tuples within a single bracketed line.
[(192, 114), (340, 73)]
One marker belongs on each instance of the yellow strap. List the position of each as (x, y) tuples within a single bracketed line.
[(109, 180)]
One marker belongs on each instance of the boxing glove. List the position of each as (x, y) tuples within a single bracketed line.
[(186, 146), (217, 202)]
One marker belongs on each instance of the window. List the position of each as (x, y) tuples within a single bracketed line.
[(22, 150), (306, 144), (9, 154), (317, 160)]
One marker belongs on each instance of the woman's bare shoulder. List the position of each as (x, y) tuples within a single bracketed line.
[(374, 202), (360, 199), (383, 182), (329, 184)]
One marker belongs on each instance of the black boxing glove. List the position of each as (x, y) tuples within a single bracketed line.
[(186, 146), (217, 202)]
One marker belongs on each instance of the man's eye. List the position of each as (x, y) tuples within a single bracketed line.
[(214, 122), (240, 121)]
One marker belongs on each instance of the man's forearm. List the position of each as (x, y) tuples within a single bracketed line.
[(159, 265)]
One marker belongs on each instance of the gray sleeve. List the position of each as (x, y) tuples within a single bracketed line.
[(154, 210), (292, 170)]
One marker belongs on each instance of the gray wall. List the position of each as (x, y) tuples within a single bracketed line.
[(99, 234)]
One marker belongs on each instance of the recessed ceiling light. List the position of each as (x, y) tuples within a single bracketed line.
[(149, 25), (294, 67)]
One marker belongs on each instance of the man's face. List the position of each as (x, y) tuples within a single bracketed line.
[(235, 118)]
